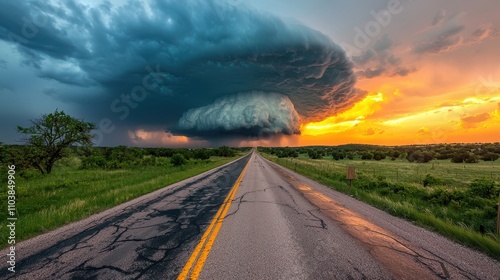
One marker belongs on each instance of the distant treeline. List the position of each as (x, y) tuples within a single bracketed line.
[(116, 157), (457, 153)]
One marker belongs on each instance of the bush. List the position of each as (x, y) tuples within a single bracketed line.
[(28, 174), (3, 170), (93, 161), (415, 156), (441, 196), (472, 159), (395, 154), (397, 188), (337, 155), (489, 156), (178, 160), (148, 161), (430, 180), (313, 154), (483, 188), (465, 157), (379, 155), (366, 155), (113, 164), (426, 157), (202, 154), (225, 152), (421, 157)]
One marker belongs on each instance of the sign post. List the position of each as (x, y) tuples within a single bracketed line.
[(351, 174)]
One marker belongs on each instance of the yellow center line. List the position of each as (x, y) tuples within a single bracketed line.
[(195, 263)]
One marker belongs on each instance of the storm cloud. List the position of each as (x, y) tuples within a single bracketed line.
[(252, 113), (381, 60), (218, 68)]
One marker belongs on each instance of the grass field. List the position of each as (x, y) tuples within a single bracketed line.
[(446, 205), (400, 170), (70, 194)]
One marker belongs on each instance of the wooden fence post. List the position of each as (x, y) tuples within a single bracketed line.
[(351, 174)]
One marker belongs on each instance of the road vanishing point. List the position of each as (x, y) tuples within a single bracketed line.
[(248, 219)]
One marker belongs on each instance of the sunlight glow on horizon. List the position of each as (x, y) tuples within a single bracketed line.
[(347, 119), (376, 119)]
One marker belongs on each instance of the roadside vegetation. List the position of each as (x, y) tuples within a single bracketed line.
[(451, 188), (88, 180)]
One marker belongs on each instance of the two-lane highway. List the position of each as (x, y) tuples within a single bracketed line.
[(282, 225), (250, 219), (273, 232)]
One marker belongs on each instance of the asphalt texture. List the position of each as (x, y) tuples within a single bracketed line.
[(148, 238), (280, 225)]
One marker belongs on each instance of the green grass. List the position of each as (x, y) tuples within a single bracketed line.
[(396, 187), (70, 194), (401, 170)]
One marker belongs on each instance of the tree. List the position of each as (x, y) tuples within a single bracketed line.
[(458, 157), (226, 152), (178, 159), (415, 156), (426, 157), (202, 154), (471, 158), (313, 154), (489, 156), (379, 155), (420, 157), (350, 155), (366, 155), (49, 136), (395, 154), (336, 155)]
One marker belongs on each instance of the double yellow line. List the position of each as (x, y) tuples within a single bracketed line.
[(195, 263)]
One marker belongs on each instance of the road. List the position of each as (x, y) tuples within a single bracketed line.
[(148, 238), (250, 219)]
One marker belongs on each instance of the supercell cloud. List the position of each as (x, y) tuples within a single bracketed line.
[(250, 113), (224, 69)]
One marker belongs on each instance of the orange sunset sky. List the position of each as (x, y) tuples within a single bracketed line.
[(464, 112), (451, 93)]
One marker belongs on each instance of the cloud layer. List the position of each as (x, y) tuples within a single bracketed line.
[(446, 35), (381, 60), (251, 113), (205, 51)]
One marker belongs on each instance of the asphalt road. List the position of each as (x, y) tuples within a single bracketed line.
[(148, 238), (247, 221), (284, 226)]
